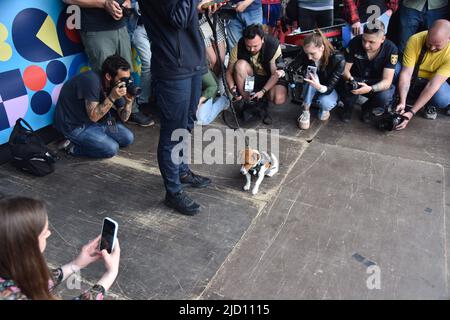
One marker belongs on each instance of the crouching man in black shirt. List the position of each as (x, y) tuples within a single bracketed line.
[(91, 107), (371, 62)]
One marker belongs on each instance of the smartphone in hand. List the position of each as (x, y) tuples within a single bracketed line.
[(311, 70), (109, 234)]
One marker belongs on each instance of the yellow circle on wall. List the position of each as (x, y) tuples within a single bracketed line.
[(5, 49)]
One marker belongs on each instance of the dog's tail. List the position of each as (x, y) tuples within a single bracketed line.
[(275, 165)]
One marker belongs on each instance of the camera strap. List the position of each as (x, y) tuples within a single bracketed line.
[(415, 73)]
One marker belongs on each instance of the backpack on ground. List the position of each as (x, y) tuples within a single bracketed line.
[(29, 152)]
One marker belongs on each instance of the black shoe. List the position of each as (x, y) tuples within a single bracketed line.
[(182, 203), (66, 146), (365, 116), (430, 112), (193, 180), (346, 115), (141, 119)]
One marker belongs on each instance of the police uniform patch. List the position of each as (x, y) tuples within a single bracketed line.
[(394, 58)]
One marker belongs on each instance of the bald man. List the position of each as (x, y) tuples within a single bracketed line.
[(430, 88)]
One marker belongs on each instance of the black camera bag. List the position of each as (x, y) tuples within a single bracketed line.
[(29, 152)]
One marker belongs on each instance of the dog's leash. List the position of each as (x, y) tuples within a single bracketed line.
[(213, 26)]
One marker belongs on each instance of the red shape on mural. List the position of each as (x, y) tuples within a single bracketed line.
[(34, 78), (73, 35)]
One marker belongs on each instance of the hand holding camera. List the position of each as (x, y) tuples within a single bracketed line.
[(358, 88), (257, 95), (114, 9)]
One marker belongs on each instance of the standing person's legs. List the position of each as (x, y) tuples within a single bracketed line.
[(254, 16), (306, 19), (410, 21), (234, 30), (123, 49), (432, 15), (142, 44), (173, 98), (324, 18), (98, 46), (196, 88)]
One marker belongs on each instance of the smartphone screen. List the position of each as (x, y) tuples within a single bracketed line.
[(109, 233)]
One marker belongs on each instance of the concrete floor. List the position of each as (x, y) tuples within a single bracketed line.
[(348, 200)]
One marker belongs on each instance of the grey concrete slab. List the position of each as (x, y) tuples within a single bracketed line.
[(338, 212), (423, 139), (224, 170), (165, 255)]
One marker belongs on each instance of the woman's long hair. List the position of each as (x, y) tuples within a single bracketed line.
[(318, 39), (22, 220)]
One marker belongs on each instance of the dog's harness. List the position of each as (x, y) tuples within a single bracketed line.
[(257, 168)]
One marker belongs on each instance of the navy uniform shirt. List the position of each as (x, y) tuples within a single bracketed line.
[(363, 68)]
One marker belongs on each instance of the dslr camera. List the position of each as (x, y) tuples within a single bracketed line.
[(351, 85), (132, 89), (389, 121)]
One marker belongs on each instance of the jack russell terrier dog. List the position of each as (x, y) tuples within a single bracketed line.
[(257, 164)]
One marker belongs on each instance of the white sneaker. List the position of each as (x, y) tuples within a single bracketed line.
[(324, 115), (303, 120)]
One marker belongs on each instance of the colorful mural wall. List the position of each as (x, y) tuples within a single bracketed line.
[(37, 54)]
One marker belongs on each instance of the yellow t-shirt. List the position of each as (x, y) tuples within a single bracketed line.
[(256, 66), (433, 62)]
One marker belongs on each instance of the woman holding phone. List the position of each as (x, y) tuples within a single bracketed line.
[(324, 68), (24, 273)]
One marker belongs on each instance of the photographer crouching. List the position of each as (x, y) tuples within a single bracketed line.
[(255, 69), (91, 107), (369, 71)]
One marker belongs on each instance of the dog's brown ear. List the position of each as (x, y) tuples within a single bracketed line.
[(255, 157)]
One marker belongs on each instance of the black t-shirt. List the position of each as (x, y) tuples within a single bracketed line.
[(363, 68), (70, 112), (96, 19)]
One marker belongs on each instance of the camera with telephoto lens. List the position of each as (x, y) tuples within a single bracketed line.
[(132, 90), (351, 85), (389, 121)]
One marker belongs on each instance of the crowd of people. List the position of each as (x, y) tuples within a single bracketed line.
[(189, 59)]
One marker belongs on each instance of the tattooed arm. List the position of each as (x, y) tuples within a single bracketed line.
[(96, 110), (125, 112)]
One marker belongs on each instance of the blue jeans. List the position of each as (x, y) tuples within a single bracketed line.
[(141, 42), (97, 141), (412, 20), (236, 26), (326, 102), (177, 102), (441, 98)]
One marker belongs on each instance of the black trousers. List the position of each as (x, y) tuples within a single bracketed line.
[(310, 19)]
